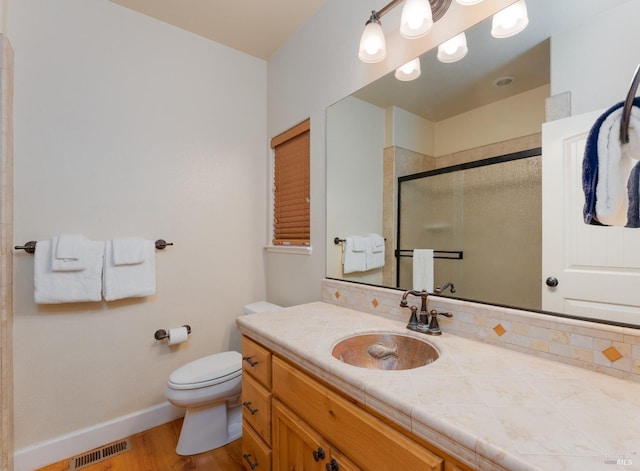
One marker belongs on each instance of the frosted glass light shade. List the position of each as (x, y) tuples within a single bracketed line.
[(373, 47), (409, 71), (454, 49), (468, 2), (416, 20), (510, 21)]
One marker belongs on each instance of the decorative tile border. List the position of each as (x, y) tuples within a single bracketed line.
[(608, 349)]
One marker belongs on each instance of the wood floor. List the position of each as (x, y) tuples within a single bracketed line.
[(154, 450)]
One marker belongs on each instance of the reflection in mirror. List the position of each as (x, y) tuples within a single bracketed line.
[(491, 103)]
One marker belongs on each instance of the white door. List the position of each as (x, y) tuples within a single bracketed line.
[(597, 268)]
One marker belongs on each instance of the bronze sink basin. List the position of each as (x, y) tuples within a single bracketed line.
[(385, 351)]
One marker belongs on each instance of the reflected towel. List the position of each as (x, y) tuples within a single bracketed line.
[(606, 166), (374, 253), (423, 270), (633, 189), (52, 287), (353, 254), (129, 281), (69, 252)]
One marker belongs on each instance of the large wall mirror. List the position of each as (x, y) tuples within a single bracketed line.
[(457, 116)]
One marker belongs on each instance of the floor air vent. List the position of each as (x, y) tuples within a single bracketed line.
[(100, 454)]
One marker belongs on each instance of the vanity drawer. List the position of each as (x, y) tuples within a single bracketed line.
[(369, 442), (256, 407), (256, 455), (256, 360)]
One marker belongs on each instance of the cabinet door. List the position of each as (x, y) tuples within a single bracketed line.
[(296, 447)]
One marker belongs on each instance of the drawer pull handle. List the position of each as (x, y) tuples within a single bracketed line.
[(332, 465), (318, 454), (250, 361), (247, 457), (248, 406)]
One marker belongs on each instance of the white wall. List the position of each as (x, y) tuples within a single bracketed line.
[(356, 130), (600, 75), (409, 131), (126, 126), (317, 67)]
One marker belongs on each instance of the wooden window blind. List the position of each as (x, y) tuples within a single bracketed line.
[(291, 215)]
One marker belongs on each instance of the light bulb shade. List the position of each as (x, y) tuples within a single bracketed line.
[(468, 2), (409, 71), (373, 47), (510, 21), (454, 49), (416, 20)]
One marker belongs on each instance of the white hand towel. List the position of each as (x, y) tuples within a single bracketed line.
[(353, 254), (615, 161), (423, 270), (52, 287), (128, 250), (374, 253), (129, 281), (69, 252)]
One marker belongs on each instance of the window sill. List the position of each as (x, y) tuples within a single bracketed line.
[(290, 249)]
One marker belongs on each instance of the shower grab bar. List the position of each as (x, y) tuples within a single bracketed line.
[(30, 247)]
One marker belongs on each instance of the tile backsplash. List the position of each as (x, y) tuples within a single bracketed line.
[(611, 350)]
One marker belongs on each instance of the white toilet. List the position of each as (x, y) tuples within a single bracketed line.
[(209, 388)]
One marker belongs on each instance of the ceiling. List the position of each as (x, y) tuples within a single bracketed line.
[(265, 25)]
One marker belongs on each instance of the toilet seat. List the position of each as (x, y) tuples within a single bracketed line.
[(207, 371)]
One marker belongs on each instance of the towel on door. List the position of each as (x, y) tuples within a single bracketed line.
[(607, 165), (69, 286), (423, 270), (353, 254), (131, 280), (374, 251)]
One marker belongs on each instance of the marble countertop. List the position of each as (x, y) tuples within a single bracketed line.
[(492, 408)]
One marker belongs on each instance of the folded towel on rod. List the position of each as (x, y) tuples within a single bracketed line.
[(607, 165), (131, 280), (633, 190), (353, 254), (374, 252), (69, 252), (68, 286), (423, 270), (128, 250)]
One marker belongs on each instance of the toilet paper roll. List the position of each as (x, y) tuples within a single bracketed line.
[(178, 335)]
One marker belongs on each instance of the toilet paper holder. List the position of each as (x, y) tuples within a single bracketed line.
[(164, 334)]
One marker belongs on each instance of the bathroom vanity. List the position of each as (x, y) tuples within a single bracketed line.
[(477, 406)]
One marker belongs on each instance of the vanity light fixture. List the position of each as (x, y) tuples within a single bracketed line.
[(454, 49), (409, 71), (416, 21), (510, 21)]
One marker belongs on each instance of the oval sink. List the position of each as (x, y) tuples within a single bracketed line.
[(385, 351)]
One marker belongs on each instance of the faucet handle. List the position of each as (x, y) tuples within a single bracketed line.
[(434, 313), (434, 327)]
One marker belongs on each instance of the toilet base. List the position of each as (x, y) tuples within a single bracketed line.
[(209, 427)]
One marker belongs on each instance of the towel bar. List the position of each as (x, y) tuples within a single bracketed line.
[(30, 247), (628, 104), (338, 240)]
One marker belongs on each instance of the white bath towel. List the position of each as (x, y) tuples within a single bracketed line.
[(423, 270), (129, 281), (374, 252), (69, 252), (128, 250), (353, 254), (615, 162), (52, 287)]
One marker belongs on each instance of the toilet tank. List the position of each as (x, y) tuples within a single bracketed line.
[(260, 306)]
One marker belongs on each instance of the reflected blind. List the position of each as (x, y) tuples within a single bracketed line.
[(291, 215)]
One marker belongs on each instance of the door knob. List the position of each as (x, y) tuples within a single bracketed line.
[(552, 282)]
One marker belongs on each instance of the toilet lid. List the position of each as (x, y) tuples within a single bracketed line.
[(207, 371)]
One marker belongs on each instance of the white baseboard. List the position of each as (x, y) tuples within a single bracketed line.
[(80, 441)]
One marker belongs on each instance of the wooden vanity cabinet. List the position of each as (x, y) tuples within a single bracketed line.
[(313, 427)]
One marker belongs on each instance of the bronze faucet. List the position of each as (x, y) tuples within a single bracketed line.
[(422, 323)]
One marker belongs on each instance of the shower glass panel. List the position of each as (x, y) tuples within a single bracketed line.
[(491, 211)]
